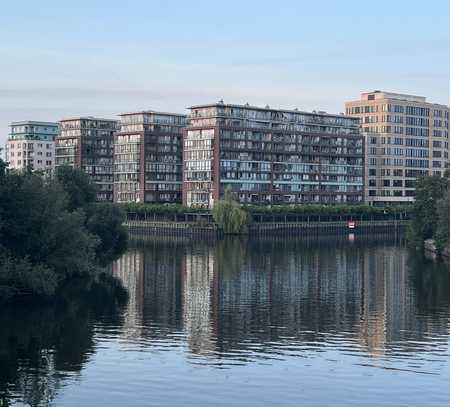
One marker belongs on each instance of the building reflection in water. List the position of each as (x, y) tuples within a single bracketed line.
[(270, 297), (198, 292), (130, 270)]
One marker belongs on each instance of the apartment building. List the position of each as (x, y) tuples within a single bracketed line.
[(405, 137), (31, 146), (87, 143), (269, 156), (148, 157)]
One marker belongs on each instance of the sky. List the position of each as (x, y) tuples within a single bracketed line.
[(100, 58)]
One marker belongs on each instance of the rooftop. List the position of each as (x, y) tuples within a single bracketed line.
[(152, 112), (33, 123), (267, 109), (69, 119), (380, 94)]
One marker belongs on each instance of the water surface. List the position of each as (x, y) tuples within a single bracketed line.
[(244, 323)]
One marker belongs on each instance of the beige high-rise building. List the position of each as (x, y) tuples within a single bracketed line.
[(405, 137)]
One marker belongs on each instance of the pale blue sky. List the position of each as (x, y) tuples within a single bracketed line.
[(60, 59)]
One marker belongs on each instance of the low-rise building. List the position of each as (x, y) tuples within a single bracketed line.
[(268, 156), (31, 146), (87, 143), (148, 157)]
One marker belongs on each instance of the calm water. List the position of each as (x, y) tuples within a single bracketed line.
[(269, 322)]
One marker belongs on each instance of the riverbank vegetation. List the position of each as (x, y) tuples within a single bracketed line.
[(160, 211), (51, 229), (431, 212)]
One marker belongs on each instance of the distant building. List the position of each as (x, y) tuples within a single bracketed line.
[(87, 143), (268, 156), (148, 157), (31, 145), (405, 137)]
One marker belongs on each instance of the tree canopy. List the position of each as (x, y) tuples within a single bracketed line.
[(50, 230), (229, 215), (431, 211), (78, 187)]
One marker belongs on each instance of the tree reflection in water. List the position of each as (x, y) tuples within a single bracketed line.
[(43, 344)]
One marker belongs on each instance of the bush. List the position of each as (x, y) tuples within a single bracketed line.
[(158, 209)]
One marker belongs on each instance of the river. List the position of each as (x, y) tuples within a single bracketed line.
[(273, 322)]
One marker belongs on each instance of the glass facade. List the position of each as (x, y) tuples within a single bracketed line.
[(271, 156), (148, 158)]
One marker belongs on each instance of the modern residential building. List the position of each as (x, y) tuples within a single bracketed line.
[(31, 145), (268, 156), (87, 143), (405, 137), (148, 157)]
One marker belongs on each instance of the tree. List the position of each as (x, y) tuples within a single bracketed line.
[(3, 167), (229, 215), (41, 242), (79, 188), (442, 235), (51, 230), (429, 190), (105, 221)]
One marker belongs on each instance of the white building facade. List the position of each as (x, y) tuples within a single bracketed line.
[(31, 146)]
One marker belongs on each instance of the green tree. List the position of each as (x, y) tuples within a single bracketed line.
[(41, 242), (45, 237), (229, 215), (79, 188), (105, 221), (442, 235), (429, 190)]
